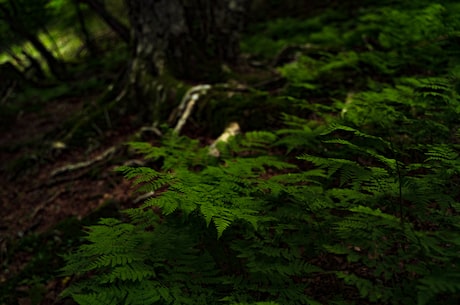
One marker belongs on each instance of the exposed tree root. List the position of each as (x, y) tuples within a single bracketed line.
[(106, 155), (114, 94), (188, 102)]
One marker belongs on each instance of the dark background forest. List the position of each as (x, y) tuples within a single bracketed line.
[(229, 152)]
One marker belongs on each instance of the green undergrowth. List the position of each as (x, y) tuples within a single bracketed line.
[(355, 200)]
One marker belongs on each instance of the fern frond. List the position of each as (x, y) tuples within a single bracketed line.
[(435, 284), (142, 174), (93, 299), (365, 287), (338, 127), (134, 272), (441, 153)]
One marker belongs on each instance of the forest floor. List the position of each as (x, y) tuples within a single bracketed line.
[(41, 206), (49, 192)]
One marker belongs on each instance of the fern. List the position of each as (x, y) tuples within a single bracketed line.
[(435, 284), (244, 237), (357, 195)]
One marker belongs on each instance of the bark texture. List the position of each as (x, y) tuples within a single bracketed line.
[(189, 39)]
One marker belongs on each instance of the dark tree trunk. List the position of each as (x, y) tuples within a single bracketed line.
[(34, 70), (189, 39), (171, 40), (84, 30), (55, 66), (112, 22)]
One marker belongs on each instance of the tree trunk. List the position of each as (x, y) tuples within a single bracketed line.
[(189, 39), (179, 39), (171, 40), (112, 22), (89, 42), (55, 66)]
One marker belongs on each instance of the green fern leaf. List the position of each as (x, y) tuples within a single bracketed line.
[(221, 225)]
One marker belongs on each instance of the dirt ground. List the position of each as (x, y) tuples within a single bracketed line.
[(37, 192)]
